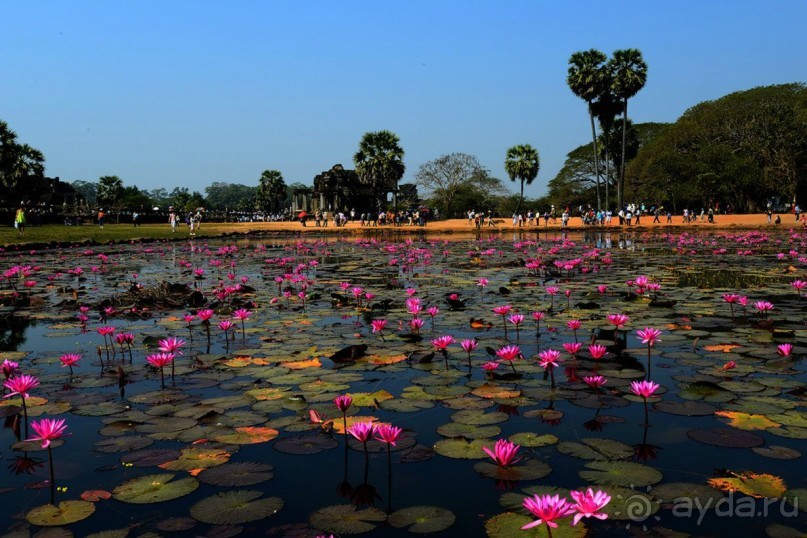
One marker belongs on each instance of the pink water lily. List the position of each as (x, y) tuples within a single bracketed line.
[(48, 430), (597, 351), (588, 504), (378, 325), (69, 359), (504, 453), (649, 335), (784, 349), (387, 433), (572, 348), (645, 389), (618, 320), (547, 509)]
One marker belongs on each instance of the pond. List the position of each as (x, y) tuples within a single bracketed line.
[(552, 342)]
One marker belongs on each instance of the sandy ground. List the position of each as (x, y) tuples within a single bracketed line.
[(722, 222)]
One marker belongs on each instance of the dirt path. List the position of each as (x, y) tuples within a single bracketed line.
[(722, 222)]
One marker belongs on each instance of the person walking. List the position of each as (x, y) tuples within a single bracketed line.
[(19, 220), (172, 219), (101, 218)]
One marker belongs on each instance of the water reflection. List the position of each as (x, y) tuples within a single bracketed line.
[(13, 331)]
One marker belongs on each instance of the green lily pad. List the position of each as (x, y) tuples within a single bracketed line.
[(402, 405), (305, 444), (687, 408), (126, 443), (455, 429), (154, 488), (596, 448), (703, 494), (66, 513), (523, 470), (246, 473), (478, 418), (726, 437), (797, 497), (422, 519), (777, 452), (532, 440), (460, 448), (620, 473), (346, 519), (235, 507), (508, 525)]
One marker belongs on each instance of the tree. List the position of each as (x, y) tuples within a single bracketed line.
[(20, 163), (135, 199), (86, 190), (442, 177), (379, 164), (230, 196), (521, 162), (630, 75), (271, 194), (588, 77), (110, 193)]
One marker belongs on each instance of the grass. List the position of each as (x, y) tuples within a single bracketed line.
[(111, 232)]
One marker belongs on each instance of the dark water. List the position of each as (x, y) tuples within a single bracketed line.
[(693, 319)]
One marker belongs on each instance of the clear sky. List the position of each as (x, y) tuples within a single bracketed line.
[(184, 93)]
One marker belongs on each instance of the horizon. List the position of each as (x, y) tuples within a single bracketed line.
[(183, 95)]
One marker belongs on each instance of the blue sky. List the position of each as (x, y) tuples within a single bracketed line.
[(184, 93)]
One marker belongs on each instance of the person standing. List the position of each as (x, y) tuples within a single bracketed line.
[(797, 211), (172, 219), (101, 217), (19, 220)]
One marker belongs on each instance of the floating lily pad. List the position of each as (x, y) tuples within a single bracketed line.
[(248, 435), (403, 405), (237, 474), (67, 512), (620, 473), (686, 408), (197, 457), (422, 519), (532, 440), (305, 444), (126, 443), (596, 448), (797, 497), (701, 493), (753, 484), (235, 507), (726, 437), (455, 429), (745, 421), (154, 488), (151, 457), (508, 525), (346, 519), (461, 448), (478, 418), (777, 452), (523, 470)]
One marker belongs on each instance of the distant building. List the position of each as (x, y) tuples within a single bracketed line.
[(338, 189)]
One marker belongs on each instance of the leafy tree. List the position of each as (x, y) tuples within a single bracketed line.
[(379, 163), (230, 196), (271, 193), (442, 177), (109, 193), (180, 198), (19, 164), (629, 76), (521, 162), (159, 197), (135, 199), (588, 78)]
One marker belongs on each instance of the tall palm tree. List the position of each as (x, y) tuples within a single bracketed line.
[(630, 76), (110, 193), (606, 108), (379, 164), (271, 191), (521, 162), (587, 78)]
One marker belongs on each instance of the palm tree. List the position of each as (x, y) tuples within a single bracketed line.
[(271, 191), (521, 162), (110, 192), (630, 76), (606, 108), (587, 77), (379, 164)]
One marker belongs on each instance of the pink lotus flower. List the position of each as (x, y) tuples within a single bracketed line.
[(47, 430), (124, 338), (171, 345), (552, 290), (242, 314), (547, 509), (160, 360), (226, 325), (490, 366), (618, 320), (731, 298), (763, 307), (343, 402), (482, 282), (572, 347), (502, 310), (799, 285), (69, 359), (469, 345), (597, 351), (645, 389), (588, 504), (549, 358), (649, 335), (416, 324), (411, 291), (784, 349), (508, 353), (602, 289), (538, 316), (20, 384), (362, 431), (442, 343), (106, 330), (386, 433), (205, 314), (574, 324), (433, 311), (378, 325), (595, 381), (504, 453), (10, 368)]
